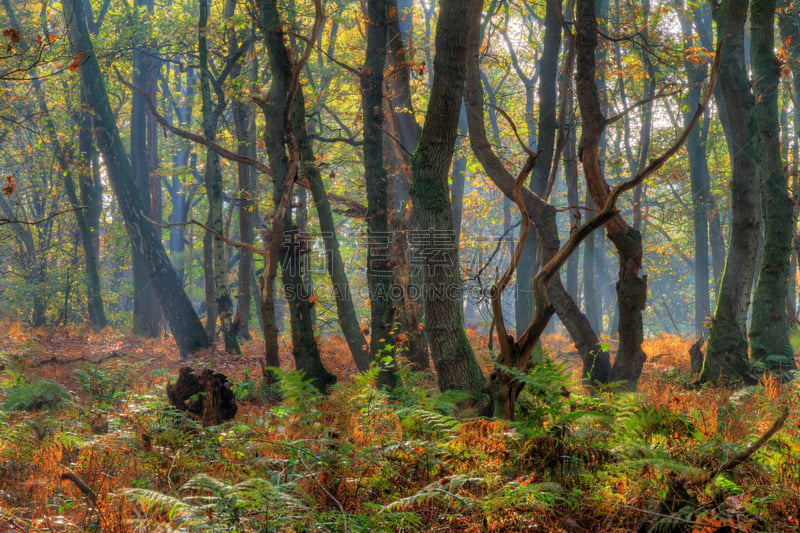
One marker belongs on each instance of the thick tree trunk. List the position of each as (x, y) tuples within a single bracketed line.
[(454, 360), (726, 351), (178, 311), (769, 330)]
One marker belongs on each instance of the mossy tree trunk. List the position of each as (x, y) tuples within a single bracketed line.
[(726, 351), (453, 358), (769, 330)]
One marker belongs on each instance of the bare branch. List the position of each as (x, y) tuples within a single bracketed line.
[(619, 116), (4, 221), (236, 244), (742, 457), (499, 287), (200, 139), (511, 123)]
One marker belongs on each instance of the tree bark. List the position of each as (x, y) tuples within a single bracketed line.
[(184, 324), (379, 267), (146, 312), (631, 286), (769, 329), (402, 124), (454, 360), (213, 181), (726, 351), (698, 169), (279, 135), (596, 363)]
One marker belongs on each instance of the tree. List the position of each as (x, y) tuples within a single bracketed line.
[(726, 352), (283, 107), (379, 267), (596, 365), (214, 247), (769, 330), (631, 286), (454, 360), (181, 317), (144, 160)]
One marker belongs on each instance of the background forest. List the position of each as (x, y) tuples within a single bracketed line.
[(468, 265)]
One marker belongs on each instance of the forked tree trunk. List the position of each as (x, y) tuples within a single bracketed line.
[(631, 285), (279, 137)]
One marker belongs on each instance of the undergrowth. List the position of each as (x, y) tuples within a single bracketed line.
[(110, 455)]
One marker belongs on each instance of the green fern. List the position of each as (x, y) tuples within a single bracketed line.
[(210, 504), (431, 424)]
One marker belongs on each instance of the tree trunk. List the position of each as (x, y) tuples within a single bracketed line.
[(146, 313), (769, 330), (245, 126), (405, 131), (213, 180), (726, 351), (379, 267), (696, 72), (178, 311), (454, 360), (279, 126), (595, 361), (631, 286)]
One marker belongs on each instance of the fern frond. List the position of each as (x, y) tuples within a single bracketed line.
[(431, 421), (442, 492)]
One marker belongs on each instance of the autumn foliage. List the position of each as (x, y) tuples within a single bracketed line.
[(111, 455)]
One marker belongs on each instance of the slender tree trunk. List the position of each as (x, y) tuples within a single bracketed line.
[(454, 360), (245, 126), (406, 282), (379, 267), (213, 180), (178, 311), (631, 286), (788, 14), (146, 313), (696, 72), (573, 194), (279, 127), (595, 361)]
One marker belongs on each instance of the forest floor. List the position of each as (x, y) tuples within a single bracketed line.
[(89, 443)]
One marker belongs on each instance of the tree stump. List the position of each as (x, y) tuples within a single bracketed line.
[(207, 395), (696, 355)]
